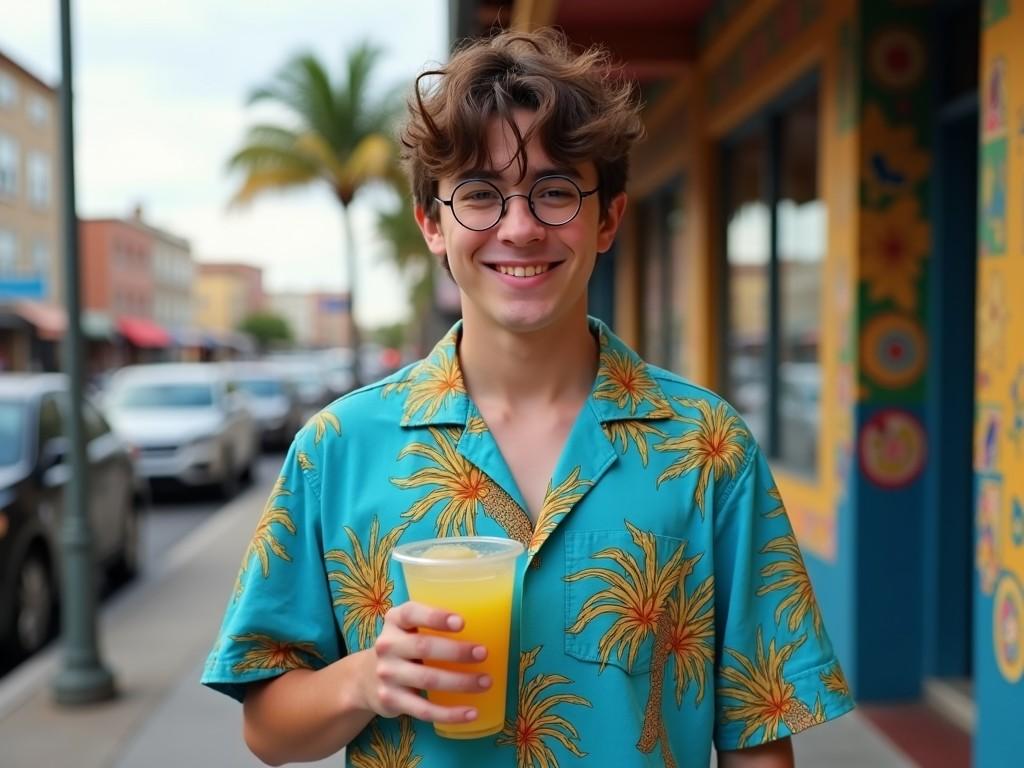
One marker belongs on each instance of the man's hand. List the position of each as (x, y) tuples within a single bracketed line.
[(774, 754), (392, 685)]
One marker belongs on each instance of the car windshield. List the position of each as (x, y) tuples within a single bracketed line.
[(12, 432), (261, 387), (184, 395)]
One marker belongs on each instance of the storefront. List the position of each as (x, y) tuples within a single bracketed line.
[(826, 225)]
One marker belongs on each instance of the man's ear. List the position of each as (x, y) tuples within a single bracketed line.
[(431, 229), (610, 222)]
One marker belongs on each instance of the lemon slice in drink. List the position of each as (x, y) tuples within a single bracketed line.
[(450, 552)]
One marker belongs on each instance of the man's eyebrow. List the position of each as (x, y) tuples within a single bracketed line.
[(492, 175)]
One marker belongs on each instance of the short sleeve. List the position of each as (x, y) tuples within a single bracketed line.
[(279, 615), (776, 672)]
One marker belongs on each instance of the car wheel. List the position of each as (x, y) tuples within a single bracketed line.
[(34, 605)]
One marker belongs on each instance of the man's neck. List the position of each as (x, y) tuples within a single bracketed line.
[(516, 371)]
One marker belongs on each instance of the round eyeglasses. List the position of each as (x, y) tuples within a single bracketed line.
[(478, 204)]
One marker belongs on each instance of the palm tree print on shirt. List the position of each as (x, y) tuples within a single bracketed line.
[(270, 653), (715, 447), (557, 503), (264, 541), (536, 726), (637, 596), (456, 481), (685, 637), (320, 422), (625, 379), (791, 579), (464, 487), (765, 699), (635, 431), (382, 752), (364, 587), (835, 681), (432, 382)]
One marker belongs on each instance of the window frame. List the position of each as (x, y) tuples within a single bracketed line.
[(767, 121)]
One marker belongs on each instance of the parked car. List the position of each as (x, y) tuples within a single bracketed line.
[(273, 401), (189, 421), (307, 377), (34, 471)]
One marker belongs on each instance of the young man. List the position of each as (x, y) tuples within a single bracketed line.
[(665, 604)]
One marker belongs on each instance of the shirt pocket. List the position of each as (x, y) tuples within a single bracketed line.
[(612, 599)]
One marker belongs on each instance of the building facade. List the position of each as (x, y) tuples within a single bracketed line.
[(227, 293), (30, 218), (826, 224)]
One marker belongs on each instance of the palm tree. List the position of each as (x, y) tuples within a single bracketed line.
[(340, 135), (411, 257), (536, 727), (265, 541)]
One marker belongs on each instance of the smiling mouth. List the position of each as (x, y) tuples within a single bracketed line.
[(523, 270)]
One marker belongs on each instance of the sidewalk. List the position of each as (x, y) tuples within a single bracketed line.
[(156, 638)]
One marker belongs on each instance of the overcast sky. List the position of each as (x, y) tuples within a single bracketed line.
[(160, 91)]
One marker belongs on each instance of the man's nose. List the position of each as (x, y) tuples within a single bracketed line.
[(518, 225)]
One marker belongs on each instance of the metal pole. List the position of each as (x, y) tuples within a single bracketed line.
[(83, 678)]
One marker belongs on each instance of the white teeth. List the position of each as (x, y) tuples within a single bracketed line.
[(528, 271)]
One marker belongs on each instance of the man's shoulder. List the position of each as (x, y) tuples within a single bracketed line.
[(680, 388), (371, 407)]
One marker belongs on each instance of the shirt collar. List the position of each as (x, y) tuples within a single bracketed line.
[(624, 388)]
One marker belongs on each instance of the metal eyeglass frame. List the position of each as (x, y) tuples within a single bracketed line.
[(505, 198)]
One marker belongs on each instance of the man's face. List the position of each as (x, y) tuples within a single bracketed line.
[(561, 258)]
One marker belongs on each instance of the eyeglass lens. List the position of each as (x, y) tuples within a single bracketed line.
[(477, 204)]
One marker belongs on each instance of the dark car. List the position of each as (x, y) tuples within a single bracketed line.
[(34, 471)]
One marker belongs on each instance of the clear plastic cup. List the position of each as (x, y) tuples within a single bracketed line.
[(473, 576)]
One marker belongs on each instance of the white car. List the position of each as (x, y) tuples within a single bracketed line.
[(188, 421), (273, 401)]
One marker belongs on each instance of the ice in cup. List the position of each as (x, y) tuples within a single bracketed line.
[(473, 576)]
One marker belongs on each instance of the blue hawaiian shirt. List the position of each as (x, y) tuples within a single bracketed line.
[(663, 604)]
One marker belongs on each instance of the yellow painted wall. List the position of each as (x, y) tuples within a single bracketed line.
[(217, 297), (999, 387)]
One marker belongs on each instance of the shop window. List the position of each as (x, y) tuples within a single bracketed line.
[(775, 229), (663, 306)]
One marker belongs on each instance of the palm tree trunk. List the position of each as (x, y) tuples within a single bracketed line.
[(653, 725), (351, 268)]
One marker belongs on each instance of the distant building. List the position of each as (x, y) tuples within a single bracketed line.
[(30, 220), (317, 320), (227, 293), (295, 308), (332, 326)]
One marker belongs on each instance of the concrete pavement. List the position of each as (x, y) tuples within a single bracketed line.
[(156, 638)]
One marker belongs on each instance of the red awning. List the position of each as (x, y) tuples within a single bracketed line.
[(141, 332), (50, 320)]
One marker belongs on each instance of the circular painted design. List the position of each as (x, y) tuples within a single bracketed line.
[(893, 350), (1008, 628), (897, 58), (892, 448)]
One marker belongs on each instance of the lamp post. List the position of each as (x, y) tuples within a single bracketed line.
[(82, 678)]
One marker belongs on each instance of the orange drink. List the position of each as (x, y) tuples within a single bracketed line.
[(473, 576)]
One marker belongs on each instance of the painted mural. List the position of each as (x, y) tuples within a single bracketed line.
[(999, 409), (895, 245)]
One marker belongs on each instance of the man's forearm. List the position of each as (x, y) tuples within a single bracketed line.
[(774, 754), (305, 715)]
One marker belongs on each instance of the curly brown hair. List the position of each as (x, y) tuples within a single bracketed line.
[(584, 111)]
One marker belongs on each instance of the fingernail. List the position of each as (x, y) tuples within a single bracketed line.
[(480, 653), (484, 681), (454, 623), (471, 714)]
